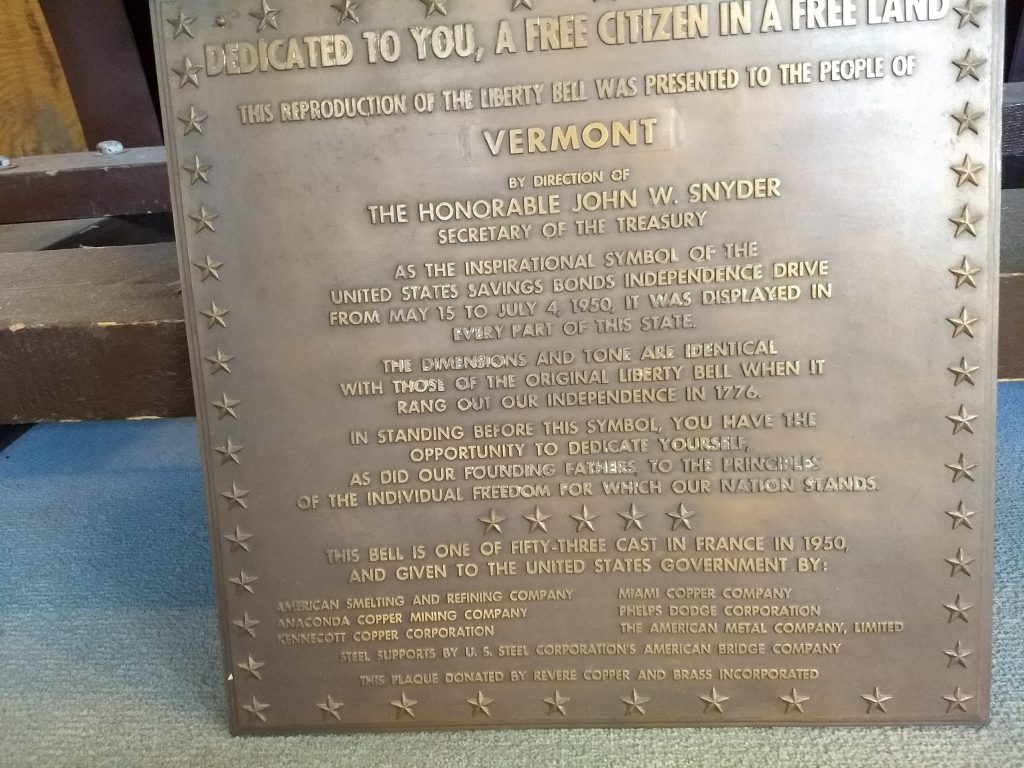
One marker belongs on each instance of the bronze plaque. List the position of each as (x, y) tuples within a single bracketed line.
[(589, 363)]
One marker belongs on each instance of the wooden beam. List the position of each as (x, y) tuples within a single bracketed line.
[(104, 71), (93, 333), (85, 185), (42, 235), (1013, 136), (37, 113), (1011, 327), (1012, 231)]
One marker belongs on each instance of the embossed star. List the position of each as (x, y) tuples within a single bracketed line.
[(246, 625), (435, 5), (961, 516), (215, 315), (556, 703), (957, 700), (965, 274), (187, 72), (968, 66), (962, 323), (481, 704), (965, 223), (961, 469), (403, 706), (681, 518), (236, 497), (967, 171), (492, 522), (239, 540), (795, 701), (265, 16), (204, 219), (331, 708), (347, 11), (967, 120), (219, 362), (537, 520), (968, 13), (208, 268), (244, 582), (876, 700), (957, 655), (193, 121), (527, 4), (958, 610), (229, 452), (714, 701), (226, 407), (633, 518), (959, 563), (182, 24), (199, 170), (635, 703), (252, 667), (256, 709), (962, 421), (584, 519), (964, 372)]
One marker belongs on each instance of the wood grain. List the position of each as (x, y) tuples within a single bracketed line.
[(103, 70), (94, 333), (85, 185), (37, 113)]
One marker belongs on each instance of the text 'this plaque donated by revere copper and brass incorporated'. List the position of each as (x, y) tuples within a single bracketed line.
[(592, 363)]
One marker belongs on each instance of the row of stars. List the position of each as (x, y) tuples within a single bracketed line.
[(968, 66), (216, 316), (966, 223), (198, 171), (714, 702), (209, 268), (266, 15), (538, 520)]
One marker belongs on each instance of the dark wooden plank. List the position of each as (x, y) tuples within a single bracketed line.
[(104, 71), (1013, 136), (1012, 231), (1011, 327), (1014, 43), (85, 184), (41, 235), (92, 334)]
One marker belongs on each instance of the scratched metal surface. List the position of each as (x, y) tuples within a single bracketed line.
[(272, 217)]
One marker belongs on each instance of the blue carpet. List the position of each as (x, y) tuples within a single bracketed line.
[(109, 653)]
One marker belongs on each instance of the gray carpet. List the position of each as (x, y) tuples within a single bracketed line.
[(109, 653)]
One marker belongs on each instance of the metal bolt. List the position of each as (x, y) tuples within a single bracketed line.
[(110, 148), (5, 162)]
